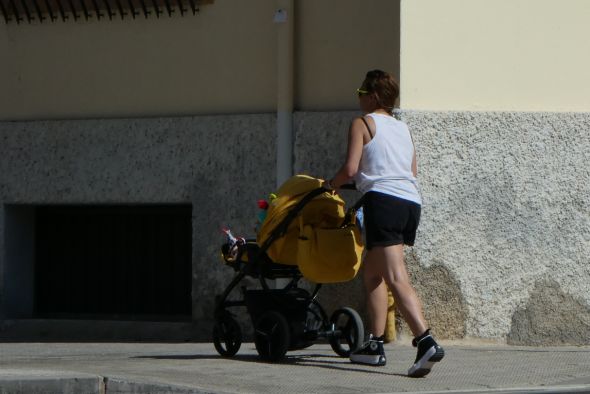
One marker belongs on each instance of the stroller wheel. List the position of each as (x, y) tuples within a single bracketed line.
[(227, 336), (348, 331), (271, 336)]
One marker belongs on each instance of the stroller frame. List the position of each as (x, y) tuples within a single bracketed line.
[(284, 319)]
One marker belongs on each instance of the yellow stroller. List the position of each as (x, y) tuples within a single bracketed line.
[(306, 234)]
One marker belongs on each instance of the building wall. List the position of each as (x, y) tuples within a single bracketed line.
[(337, 42), (205, 161), (203, 64), (137, 78), (505, 55), (503, 246), (502, 250), (223, 60), (496, 94)]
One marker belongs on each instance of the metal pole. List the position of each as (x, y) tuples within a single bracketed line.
[(284, 18)]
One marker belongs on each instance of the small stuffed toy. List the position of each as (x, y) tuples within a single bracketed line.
[(263, 210)]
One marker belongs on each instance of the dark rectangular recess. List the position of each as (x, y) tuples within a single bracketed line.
[(113, 262)]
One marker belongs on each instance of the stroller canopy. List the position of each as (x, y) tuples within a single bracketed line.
[(324, 211)]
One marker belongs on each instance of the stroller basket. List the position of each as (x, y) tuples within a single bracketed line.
[(293, 304), (295, 307)]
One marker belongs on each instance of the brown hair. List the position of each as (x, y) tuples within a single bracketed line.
[(384, 86)]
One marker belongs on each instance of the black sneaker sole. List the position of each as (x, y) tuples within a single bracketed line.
[(423, 366)]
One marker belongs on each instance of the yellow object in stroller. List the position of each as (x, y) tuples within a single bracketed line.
[(291, 317), (324, 241)]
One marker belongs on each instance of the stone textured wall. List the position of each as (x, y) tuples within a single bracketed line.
[(506, 210), (220, 164), (502, 250)]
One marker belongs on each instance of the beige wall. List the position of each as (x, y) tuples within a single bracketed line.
[(528, 55), (524, 55), (222, 60), (338, 41)]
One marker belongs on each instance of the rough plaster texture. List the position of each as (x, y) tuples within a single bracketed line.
[(220, 164), (440, 293), (550, 317), (505, 205)]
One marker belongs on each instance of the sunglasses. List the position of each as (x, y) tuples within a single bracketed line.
[(361, 92)]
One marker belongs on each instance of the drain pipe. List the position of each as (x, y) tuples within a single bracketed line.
[(284, 18)]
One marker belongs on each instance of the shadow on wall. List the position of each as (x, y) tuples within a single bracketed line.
[(550, 317), (444, 307)]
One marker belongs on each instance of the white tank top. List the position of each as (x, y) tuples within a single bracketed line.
[(386, 163)]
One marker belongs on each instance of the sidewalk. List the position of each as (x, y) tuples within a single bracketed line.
[(197, 368)]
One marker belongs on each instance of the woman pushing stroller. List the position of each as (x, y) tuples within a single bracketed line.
[(382, 162)]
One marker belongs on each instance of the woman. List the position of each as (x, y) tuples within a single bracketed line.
[(382, 162)]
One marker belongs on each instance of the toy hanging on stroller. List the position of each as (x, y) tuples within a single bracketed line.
[(306, 234)]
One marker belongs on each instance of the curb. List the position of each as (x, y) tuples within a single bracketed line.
[(41, 382)]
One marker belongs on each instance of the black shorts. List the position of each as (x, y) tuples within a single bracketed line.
[(389, 220)]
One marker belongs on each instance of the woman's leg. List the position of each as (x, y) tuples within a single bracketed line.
[(396, 276), (390, 262), (376, 292), (372, 352)]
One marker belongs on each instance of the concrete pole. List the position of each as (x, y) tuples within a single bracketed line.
[(285, 30)]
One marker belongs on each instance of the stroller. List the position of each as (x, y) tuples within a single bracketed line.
[(287, 318)]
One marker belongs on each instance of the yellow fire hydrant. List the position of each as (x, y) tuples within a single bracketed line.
[(390, 334)]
